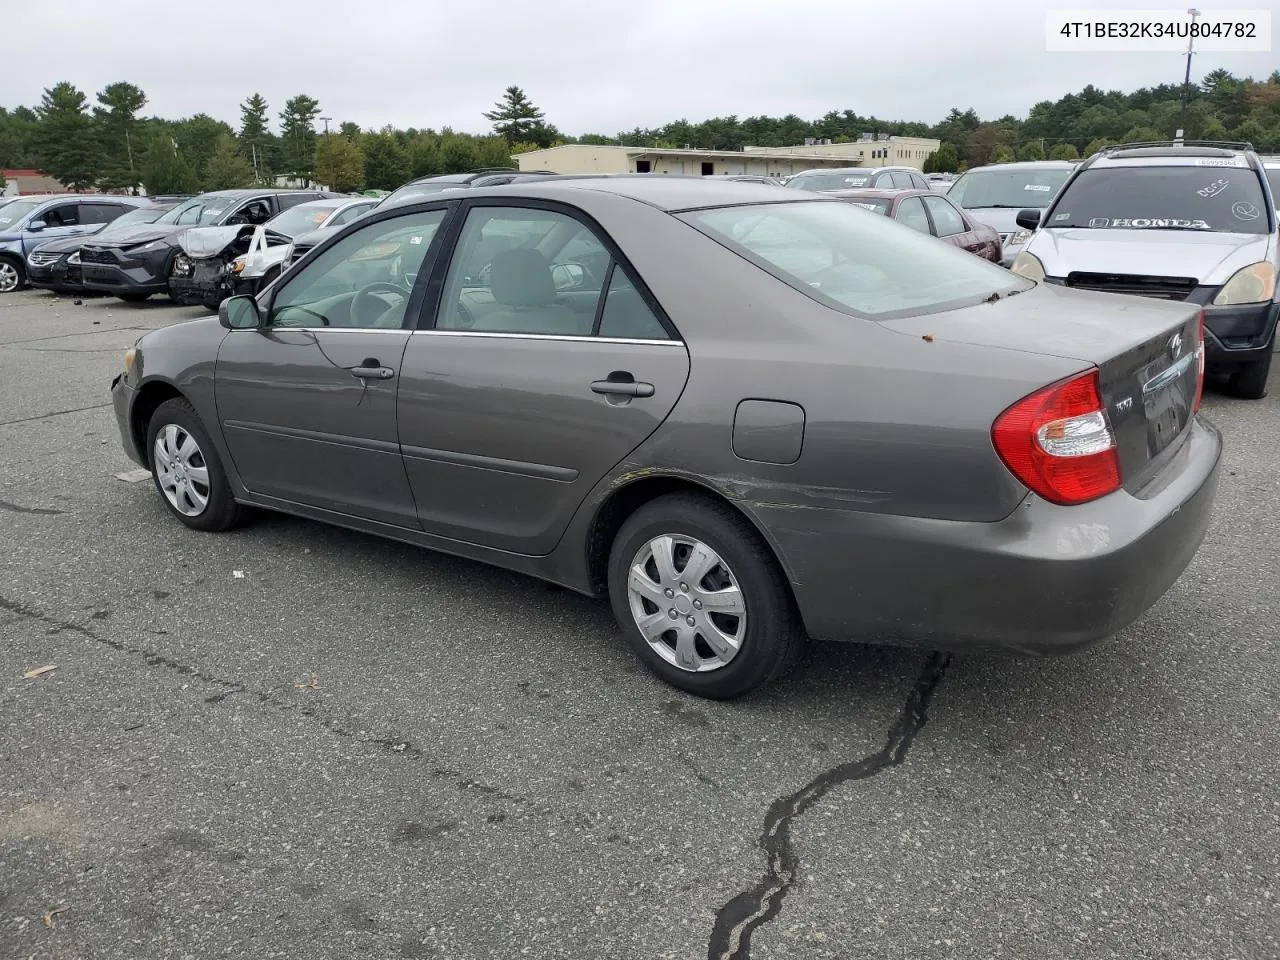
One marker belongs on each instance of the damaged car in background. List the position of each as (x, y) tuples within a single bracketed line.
[(220, 262), (136, 263)]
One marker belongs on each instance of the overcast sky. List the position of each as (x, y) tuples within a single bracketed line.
[(592, 65)]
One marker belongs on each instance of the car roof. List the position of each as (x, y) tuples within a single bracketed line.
[(669, 193), (331, 203), (1028, 165), (879, 193)]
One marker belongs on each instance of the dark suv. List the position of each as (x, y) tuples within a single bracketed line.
[(135, 263)]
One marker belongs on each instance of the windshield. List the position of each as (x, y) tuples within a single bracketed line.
[(300, 219), (142, 215), (1216, 199), (839, 180), (11, 213), (198, 210), (846, 259), (421, 190), (1021, 189)]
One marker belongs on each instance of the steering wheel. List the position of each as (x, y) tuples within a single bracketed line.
[(364, 301)]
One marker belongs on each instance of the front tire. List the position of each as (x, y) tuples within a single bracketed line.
[(1250, 383), (13, 275), (187, 472), (701, 598)]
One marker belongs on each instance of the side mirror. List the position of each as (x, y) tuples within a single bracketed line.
[(240, 313), (1028, 219), (568, 276), (35, 226)]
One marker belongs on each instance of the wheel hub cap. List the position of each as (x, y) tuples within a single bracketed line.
[(686, 603), (181, 470)]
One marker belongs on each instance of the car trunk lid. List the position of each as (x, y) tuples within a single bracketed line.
[(1147, 352)]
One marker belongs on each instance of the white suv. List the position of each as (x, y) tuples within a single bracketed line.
[(1193, 222)]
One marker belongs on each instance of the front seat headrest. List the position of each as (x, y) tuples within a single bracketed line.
[(521, 278)]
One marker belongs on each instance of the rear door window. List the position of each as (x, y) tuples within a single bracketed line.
[(946, 220), (911, 213), (62, 215)]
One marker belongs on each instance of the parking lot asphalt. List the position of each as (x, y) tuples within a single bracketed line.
[(294, 741)]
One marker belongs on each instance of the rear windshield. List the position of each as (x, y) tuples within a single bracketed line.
[(853, 261), (198, 211), (1016, 188), (422, 189), (148, 214), (846, 180), (1208, 199), (874, 204)]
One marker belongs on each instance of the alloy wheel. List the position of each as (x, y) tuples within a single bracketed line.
[(181, 470), (8, 277), (687, 603)]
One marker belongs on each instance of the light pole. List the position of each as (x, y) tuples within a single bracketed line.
[(1191, 42)]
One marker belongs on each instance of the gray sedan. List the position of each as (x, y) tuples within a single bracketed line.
[(747, 415)]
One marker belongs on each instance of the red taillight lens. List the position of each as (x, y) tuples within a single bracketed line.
[(1200, 362), (1058, 442)]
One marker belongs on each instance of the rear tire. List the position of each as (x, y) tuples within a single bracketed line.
[(190, 480), (1250, 383), (724, 655)]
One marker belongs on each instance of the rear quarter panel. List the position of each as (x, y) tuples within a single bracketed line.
[(894, 424)]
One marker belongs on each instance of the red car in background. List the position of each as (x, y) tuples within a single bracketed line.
[(929, 212)]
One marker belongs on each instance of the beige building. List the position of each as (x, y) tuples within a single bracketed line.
[(885, 151), (760, 161)]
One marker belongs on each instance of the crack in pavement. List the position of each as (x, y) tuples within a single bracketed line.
[(42, 511), (738, 919), (64, 336), (55, 413), (398, 746)]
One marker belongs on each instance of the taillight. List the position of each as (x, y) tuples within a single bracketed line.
[(1199, 365), (1058, 442)]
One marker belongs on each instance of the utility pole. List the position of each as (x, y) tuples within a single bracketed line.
[(1191, 42), (326, 124)]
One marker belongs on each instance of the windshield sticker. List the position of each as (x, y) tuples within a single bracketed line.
[(865, 206), (1245, 211), (855, 181), (6, 219), (1064, 216), (1227, 162), (1142, 223), (415, 240), (1038, 187), (1215, 188)]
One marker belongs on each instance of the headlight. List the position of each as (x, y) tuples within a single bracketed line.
[(1252, 284), (1022, 236), (237, 265), (148, 247), (74, 259), (130, 360), (1028, 266)]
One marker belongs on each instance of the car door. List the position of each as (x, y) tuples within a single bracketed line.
[(307, 403), (54, 222), (950, 226), (534, 381)]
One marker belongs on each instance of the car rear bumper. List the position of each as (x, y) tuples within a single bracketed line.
[(112, 278), (1239, 335), (1045, 580), (122, 401)]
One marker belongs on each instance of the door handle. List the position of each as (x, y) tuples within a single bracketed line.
[(372, 370), (622, 388)]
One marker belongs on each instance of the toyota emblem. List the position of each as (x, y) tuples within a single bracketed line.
[(1175, 345)]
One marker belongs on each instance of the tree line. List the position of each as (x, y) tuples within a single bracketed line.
[(108, 144)]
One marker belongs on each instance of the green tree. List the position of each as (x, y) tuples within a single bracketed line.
[(1095, 145), (1003, 154), (198, 138), (165, 170), (1031, 150), (257, 141), (516, 119), (298, 135), (339, 163), (1064, 151), (386, 162), (945, 159), (3, 182), (350, 130), (983, 141), (117, 120), (65, 137), (227, 169)]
